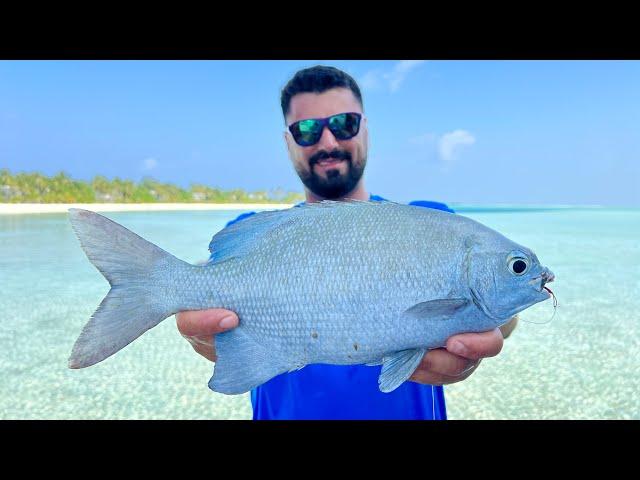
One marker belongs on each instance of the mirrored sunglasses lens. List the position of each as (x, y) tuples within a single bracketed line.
[(306, 132), (345, 125)]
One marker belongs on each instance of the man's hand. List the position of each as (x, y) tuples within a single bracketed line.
[(199, 327), (461, 356)]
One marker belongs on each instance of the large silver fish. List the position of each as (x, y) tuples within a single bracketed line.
[(331, 282)]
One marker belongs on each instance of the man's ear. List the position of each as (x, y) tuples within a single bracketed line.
[(366, 131)]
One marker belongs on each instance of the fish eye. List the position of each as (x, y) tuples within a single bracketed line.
[(518, 266)]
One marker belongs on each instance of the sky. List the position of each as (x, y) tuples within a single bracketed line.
[(518, 132)]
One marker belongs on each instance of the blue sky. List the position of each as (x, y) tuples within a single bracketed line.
[(543, 132)]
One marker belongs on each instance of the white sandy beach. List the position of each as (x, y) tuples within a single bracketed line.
[(26, 208)]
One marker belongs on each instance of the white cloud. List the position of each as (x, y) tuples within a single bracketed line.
[(149, 164), (370, 80), (400, 72), (392, 79), (451, 142)]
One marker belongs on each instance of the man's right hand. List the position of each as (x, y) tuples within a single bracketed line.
[(200, 326)]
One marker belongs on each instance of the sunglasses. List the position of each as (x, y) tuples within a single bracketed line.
[(343, 126)]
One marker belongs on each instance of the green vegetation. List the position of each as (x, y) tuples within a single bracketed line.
[(37, 188)]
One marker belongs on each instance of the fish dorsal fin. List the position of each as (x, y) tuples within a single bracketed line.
[(240, 238), (398, 367)]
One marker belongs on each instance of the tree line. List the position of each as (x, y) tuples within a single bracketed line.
[(60, 188)]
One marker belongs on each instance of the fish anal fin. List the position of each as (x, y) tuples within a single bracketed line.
[(242, 363)]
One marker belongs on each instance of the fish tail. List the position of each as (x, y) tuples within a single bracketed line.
[(138, 299)]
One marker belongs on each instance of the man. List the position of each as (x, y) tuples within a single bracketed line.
[(330, 157)]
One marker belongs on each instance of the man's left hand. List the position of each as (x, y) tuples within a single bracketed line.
[(459, 358)]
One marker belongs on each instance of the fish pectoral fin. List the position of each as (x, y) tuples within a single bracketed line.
[(398, 367), (242, 363), (437, 309)]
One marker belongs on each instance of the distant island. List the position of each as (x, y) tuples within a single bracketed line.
[(38, 188)]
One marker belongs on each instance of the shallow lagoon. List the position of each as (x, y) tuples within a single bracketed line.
[(583, 364)]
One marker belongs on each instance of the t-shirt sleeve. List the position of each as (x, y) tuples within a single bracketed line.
[(431, 204), (238, 218)]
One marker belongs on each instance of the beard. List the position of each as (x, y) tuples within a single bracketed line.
[(336, 184)]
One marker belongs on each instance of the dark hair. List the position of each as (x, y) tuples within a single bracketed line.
[(317, 79)]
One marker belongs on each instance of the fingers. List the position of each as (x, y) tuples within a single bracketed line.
[(206, 350), (204, 323), (441, 362), (429, 378), (459, 360), (476, 345), (440, 367)]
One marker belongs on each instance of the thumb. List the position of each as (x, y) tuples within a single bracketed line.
[(205, 322)]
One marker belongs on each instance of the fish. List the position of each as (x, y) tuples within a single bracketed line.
[(333, 282)]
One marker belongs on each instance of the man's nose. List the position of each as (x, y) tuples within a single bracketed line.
[(327, 141)]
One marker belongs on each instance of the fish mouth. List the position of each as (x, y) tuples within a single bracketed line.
[(547, 276)]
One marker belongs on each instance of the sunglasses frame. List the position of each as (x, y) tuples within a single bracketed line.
[(324, 122)]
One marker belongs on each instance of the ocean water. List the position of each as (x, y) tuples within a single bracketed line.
[(583, 364)]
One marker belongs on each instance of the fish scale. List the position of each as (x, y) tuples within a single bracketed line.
[(332, 282)]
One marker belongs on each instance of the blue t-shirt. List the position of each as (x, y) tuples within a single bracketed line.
[(350, 392)]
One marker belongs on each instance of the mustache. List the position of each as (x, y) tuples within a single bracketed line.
[(323, 155)]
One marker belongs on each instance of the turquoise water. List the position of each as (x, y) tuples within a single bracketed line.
[(584, 364)]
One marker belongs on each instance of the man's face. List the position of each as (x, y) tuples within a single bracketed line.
[(331, 168)]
